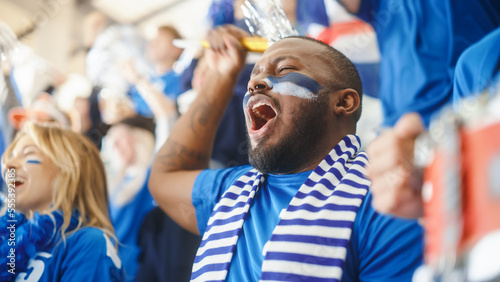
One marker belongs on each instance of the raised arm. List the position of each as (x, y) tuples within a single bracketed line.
[(160, 104), (188, 149)]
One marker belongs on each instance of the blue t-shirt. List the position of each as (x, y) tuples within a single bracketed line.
[(420, 42), (381, 248), (87, 255), (477, 68), (169, 83), (127, 220)]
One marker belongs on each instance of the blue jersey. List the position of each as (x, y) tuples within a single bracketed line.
[(381, 248), (127, 220), (169, 83), (87, 255), (420, 42), (478, 67)]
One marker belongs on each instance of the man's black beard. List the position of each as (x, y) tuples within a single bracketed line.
[(296, 147)]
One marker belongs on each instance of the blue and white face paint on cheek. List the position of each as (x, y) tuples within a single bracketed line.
[(245, 99), (33, 162), (294, 84)]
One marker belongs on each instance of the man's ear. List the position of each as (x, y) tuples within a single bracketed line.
[(346, 101)]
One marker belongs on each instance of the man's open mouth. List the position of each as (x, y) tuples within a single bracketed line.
[(261, 112)]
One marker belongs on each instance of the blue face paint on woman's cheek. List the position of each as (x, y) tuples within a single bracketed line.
[(33, 162), (295, 84)]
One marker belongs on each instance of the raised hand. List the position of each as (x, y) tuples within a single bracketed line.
[(226, 55), (396, 181)]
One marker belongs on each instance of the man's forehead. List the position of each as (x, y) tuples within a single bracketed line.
[(291, 46), (292, 42), (286, 49), (274, 59)]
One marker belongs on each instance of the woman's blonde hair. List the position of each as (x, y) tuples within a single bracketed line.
[(80, 182)]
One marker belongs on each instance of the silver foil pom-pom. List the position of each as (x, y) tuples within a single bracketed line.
[(266, 18)]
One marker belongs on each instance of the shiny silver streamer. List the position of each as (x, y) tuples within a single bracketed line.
[(266, 18)]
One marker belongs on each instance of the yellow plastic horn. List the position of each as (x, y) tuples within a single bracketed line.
[(252, 44)]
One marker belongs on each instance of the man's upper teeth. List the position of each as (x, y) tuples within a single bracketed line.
[(257, 105), (256, 110)]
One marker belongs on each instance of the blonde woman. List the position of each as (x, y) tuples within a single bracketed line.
[(60, 210)]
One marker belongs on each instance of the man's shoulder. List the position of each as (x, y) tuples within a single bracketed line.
[(212, 183)]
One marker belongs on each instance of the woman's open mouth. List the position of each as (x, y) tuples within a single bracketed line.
[(18, 182)]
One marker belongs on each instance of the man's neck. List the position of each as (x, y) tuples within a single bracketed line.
[(321, 151)]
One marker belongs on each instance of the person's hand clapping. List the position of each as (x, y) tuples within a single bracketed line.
[(396, 181)]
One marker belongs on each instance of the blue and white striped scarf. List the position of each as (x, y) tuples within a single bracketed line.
[(310, 241)]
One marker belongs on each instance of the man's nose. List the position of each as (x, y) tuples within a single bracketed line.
[(259, 84)]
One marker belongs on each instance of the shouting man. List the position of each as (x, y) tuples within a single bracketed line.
[(302, 210)]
